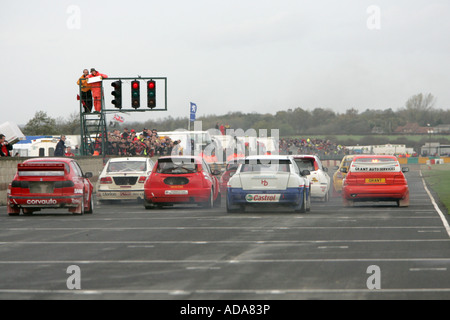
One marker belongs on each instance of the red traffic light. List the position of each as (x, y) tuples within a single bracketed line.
[(135, 85), (151, 85)]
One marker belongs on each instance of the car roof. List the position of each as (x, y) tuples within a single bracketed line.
[(376, 156), (303, 156), (197, 158), (128, 159), (270, 157)]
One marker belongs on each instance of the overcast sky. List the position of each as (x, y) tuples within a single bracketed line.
[(247, 55)]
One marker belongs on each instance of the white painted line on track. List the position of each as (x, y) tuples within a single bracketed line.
[(15, 243), (428, 269), (212, 228), (436, 207), (234, 261), (224, 291)]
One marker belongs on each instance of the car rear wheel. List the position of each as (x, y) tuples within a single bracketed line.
[(348, 203), (80, 210), (27, 212), (210, 203), (301, 207), (233, 209), (148, 205), (90, 209)]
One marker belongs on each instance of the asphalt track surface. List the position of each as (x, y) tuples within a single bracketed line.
[(186, 253)]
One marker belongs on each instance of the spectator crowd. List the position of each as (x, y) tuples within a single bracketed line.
[(317, 147), (130, 143), (149, 143)]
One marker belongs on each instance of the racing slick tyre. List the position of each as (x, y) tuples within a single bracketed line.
[(13, 211), (210, 203), (27, 212), (327, 197), (148, 205), (403, 203), (80, 209), (301, 207), (90, 209), (233, 209), (348, 203), (218, 202)]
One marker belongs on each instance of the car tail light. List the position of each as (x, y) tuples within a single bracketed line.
[(142, 179), (399, 179), (349, 179), (106, 180)]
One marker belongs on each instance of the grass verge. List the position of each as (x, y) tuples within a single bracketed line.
[(438, 179)]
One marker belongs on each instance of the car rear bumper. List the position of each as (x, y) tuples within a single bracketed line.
[(69, 201), (290, 196), (120, 194), (370, 193), (192, 195), (319, 190)]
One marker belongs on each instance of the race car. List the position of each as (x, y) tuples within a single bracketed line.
[(123, 179), (375, 178), (182, 180), (340, 174), (320, 180), (50, 183), (230, 170), (269, 180)]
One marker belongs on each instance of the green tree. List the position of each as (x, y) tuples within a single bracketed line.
[(40, 124)]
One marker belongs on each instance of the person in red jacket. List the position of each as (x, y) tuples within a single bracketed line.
[(5, 147), (96, 88)]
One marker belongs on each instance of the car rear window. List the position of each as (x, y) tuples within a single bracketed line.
[(177, 166), (306, 164), (375, 164), (126, 166), (266, 166)]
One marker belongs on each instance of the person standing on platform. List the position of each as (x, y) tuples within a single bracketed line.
[(96, 88), (86, 94)]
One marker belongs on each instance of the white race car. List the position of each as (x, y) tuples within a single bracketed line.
[(269, 180), (320, 180), (123, 178)]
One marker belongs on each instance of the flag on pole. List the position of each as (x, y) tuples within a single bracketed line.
[(193, 111), (118, 118)]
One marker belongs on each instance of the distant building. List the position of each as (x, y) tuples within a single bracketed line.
[(377, 130), (435, 149), (412, 128), (442, 128)]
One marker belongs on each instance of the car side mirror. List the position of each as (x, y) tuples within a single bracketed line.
[(344, 170), (325, 169), (405, 169), (88, 175), (305, 173)]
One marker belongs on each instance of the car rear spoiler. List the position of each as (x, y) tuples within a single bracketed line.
[(41, 169)]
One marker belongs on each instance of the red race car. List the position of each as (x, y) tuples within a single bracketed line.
[(181, 179), (375, 178), (50, 183), (230, 170)]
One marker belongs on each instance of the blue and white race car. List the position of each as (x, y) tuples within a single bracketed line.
[(269, 180)]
